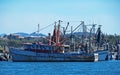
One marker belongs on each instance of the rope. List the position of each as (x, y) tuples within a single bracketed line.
[(46, 26)]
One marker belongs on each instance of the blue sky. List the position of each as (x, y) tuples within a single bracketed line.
[(24, 15)]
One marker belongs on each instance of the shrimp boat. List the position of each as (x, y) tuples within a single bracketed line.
[(57, 50)]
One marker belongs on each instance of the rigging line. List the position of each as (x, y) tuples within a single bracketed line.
[(77, 27), (71, 21), (64, 22), (49, 40), (46, 26), (75, 21)]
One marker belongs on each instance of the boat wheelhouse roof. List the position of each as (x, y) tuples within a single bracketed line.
[(39, 46)]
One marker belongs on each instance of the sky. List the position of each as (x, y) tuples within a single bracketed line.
[(25, 15)]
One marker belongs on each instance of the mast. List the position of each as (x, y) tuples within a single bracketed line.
[(64, 29), (54, 34), (38, 29), (84, 33), (72, 40), (49, 38), (92, 31), (72, 30), (64, 32), (72, 34), (58, 33), (99, 36)]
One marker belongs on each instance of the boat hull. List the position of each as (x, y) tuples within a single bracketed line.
[(29, 56), (102, 55)]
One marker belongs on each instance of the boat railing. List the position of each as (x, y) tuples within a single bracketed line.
[(19, 48)]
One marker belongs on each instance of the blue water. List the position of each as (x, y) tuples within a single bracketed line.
[(60, 68)]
